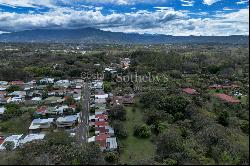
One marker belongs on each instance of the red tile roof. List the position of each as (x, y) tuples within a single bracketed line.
[(1, 140), (190, 91), (102, 143), (227, 98), (101, 116), (17, 83), (101, 123), (217, 86), (102, 137), (41, 109)]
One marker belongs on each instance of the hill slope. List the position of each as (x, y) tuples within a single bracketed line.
[(91, 35)]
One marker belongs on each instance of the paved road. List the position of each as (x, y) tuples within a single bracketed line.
[(82, 129)]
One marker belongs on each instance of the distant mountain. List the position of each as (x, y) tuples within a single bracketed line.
[(91, 35)]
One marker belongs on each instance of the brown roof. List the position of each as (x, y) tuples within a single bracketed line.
[(190, 91), (227, 98)]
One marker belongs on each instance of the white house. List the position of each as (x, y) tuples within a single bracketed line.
[(104, 96), (47, 81), (15, 100), (3, 83), (31, 137), (2, 110), (14, 138), (111, 143), (37, 124), (67, 121)]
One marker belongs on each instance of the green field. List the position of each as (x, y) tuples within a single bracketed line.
[(135, 148)]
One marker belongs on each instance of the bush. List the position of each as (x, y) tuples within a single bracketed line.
[(223, 118), (111, 157), (245, 127), (142, 131), (13, 88), (120, 130)]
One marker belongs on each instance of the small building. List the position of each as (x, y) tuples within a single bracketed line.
[(67, 121), (227, 98), (47, 81), (36, 99), (190, 91), (31, 137), (41, 110), (1, 140), (14, 139), (103, 96), (2, 110), (111, 144), (102, 140), (3, 83), (17, 83), (41, 124), (15, 99), (101, 124), (228, 86)]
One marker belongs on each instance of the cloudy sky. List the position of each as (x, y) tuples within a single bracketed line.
[(170, 17)]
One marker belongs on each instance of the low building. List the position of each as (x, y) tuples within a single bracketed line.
[(41, 110), (15, 100), (3, 83), (190, 91), (13, 139), (47, 81), (102, 96), (2, 110), (101, 124), (31, 137), (67, 121), (227, 98), (111, 144), (41, 124)]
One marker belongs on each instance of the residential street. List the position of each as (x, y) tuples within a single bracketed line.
[(82, 129)]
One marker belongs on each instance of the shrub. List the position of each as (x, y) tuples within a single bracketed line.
[(142, 131)]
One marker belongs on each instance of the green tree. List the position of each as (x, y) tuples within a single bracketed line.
[(142, 131), (223, 118), (13, 88), (111, 157), (107, 87)]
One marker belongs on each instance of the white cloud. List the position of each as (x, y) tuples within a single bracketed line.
[(228, 9), (165, 20), (163, 8), (187, 2), (28, 3), (210, 2), (242, 2)]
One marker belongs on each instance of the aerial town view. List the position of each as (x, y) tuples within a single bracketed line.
[(124, 82)]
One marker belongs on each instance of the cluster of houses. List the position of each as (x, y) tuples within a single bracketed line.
[(50, 97), (103, 133), (233, 88)]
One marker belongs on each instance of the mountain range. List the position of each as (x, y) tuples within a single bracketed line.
[(92, 35)]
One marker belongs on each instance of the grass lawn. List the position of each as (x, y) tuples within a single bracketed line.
[(135, 148)]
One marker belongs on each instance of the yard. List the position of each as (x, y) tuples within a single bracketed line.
[(134, 148)]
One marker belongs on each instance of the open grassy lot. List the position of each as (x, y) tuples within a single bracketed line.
[(135, 148)]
